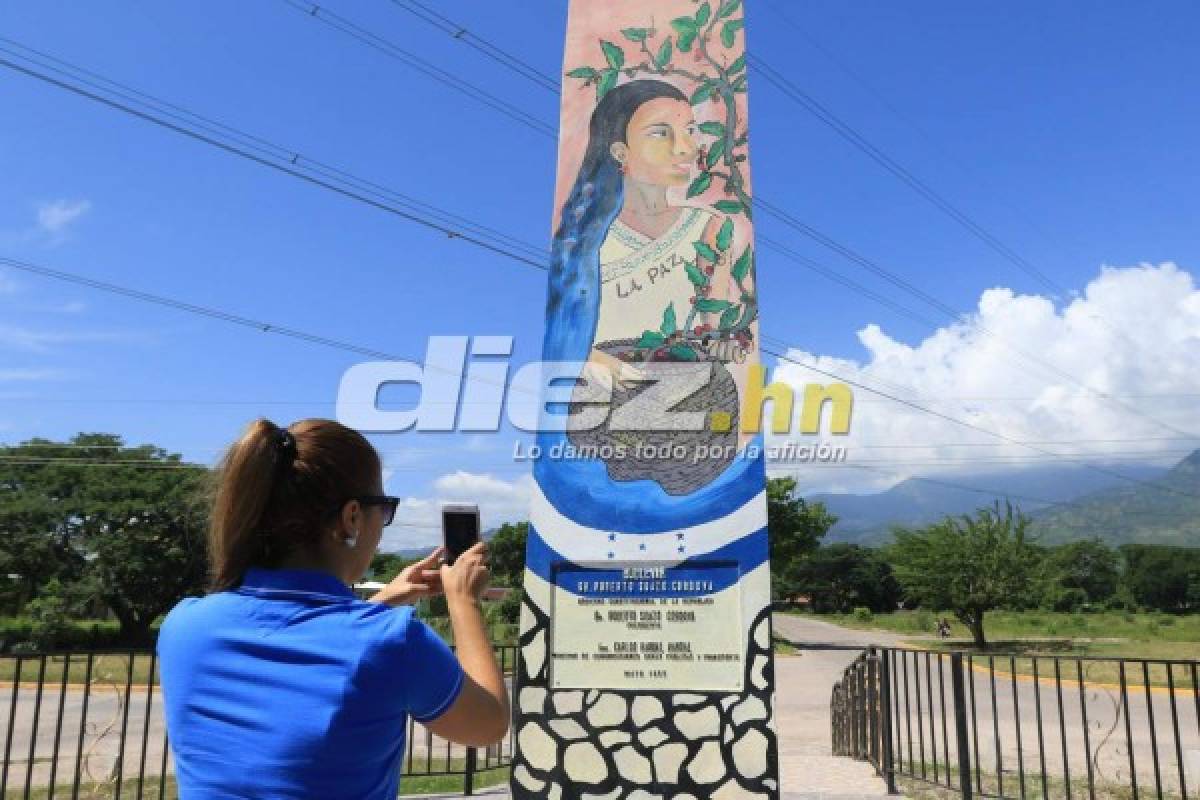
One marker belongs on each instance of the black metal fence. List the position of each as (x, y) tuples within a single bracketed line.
[(89, 725), (1018, 726)]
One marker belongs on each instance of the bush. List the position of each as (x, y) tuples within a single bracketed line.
[(861, 614), (50, 618), (19, 635), (924, 622), (1068, 600)]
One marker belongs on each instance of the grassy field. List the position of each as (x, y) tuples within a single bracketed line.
[(1056, 787), (1104, 635), (106, 669)]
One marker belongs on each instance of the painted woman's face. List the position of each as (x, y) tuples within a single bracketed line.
[(659, 147)]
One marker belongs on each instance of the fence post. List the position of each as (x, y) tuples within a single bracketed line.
[(469, 774), (860, 717), (889, 763), (872, 706), (960, 725)]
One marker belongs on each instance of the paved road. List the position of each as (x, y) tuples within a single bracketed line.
[(1105, 730), (803, 686), (803, 695)]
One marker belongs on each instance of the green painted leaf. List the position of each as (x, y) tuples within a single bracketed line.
[(683, 352), (715, 152), (708, 305), (729, 31), (687, 30), (728, 7), (695, 274), (741, 267), (703, 93), (684, 25), (725, 235), (705, 252), (669, 325), (651, 339), (713, 128), (729, 316), (636, 34), (614, 54), (664, 54), (703, 13), (740, 84), (582, 72), (738, 65), (728, 206), (608, 79), (700, 185)]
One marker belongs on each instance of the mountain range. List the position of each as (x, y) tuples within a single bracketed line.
[(1126, 503)]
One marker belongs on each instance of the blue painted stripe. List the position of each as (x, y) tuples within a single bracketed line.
[(748, 552)]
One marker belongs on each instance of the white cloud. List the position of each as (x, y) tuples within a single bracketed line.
[(1134, 334), (54, 217), (69, 307), (30, 375), (498, 500), (17, 337)]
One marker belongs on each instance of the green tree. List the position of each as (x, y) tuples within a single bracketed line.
[(968, 565), (122, 524), (1162, 577), (840, 577), (1087, 569), (385, 566), (506, 554), (794, 528)]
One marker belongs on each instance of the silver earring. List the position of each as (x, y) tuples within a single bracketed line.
[(351, 541)]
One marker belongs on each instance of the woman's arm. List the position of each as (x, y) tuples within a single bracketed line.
[(480, 715)]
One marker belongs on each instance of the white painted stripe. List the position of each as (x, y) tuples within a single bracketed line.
[(591, 546)]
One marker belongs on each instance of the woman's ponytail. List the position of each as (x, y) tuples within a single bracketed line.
[(278, 487)]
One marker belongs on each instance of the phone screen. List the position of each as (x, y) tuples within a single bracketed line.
[(460, 530)]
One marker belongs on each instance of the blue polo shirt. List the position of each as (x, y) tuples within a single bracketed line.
[(289, 687)]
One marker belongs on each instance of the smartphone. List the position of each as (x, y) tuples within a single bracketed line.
[(460, 529)]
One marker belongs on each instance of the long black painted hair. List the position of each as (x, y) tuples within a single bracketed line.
[(573, 304)]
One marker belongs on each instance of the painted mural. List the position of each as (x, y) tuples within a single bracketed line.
[(652, 269)]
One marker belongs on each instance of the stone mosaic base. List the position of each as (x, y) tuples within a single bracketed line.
[(606, 745)]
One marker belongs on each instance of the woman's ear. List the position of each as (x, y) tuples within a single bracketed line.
[(619, 151), (350, 516)]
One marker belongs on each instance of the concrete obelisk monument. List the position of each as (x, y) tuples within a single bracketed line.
[(646, 666)]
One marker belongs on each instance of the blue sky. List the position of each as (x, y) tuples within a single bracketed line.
[(1068, 129)]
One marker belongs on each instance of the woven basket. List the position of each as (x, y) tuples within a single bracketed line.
[(676, 476)]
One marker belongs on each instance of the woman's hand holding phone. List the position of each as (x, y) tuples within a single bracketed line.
[(416, 581), (466, 579)]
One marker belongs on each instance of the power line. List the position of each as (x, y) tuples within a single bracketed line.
[(276, 157), (965, 423), (942, 150), (349, 193), (952, 314), (394, 51), (774, 210), (795, 93), (234, 319), (471, 39)]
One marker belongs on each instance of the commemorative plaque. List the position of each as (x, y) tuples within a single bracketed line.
[(647, 627)]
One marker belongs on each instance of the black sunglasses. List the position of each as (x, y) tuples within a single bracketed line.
[(389, 505)]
